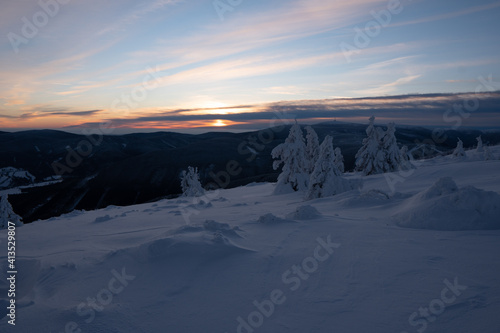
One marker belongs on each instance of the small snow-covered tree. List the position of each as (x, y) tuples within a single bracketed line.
[(326, 179), (479, 144), (292, 154), (459, 150), (190, 183), (339, 160), (487, 154), (312, 147), (405, 159), (7, 213), (370, 157)]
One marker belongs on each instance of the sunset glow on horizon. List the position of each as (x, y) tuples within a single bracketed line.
[(174, 64)]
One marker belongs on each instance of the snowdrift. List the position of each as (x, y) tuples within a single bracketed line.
[(306, 212), (444, 206), (270, 219), (210, 240)]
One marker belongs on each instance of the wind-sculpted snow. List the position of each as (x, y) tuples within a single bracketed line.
[(209, 226), (104, 218), (206, 246), (367, 198), (270, 219), (445, 206), (222, 228), (209, 240), (306, 212)]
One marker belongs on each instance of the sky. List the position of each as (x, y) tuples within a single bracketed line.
[(239, 64)]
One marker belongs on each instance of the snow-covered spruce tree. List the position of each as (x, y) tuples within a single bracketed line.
[(339, 160), (380, 152), (479, 144), (292, 154), (370, 157), (459, 150), (312, 148), (190, 183), (326, 179), (393, 159), (7, 213)]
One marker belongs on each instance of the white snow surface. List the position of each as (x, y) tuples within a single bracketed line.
[(146, 268)]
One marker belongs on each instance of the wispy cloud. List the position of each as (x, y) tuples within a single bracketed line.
[(453, 14), (42, 114), (388, 88), (139, 13)]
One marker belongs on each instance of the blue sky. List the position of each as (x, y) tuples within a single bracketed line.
[(92, 61)]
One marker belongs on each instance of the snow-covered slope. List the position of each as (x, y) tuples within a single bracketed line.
[(245, 260), (10, 177)]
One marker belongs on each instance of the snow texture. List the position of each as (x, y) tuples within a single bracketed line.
[(270, 218), (306, 212)]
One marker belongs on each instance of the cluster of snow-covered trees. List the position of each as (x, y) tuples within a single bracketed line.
[(380, 152), (308, 166), (459, 151), (316, 169)]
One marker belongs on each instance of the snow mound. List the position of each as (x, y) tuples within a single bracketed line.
[(220, 199), (272, 219), (209, 226), (186, 229), (444, 206), (306, 212), (222, 228), (101, 219), (211, 240), (443, 186), (205, 246), (374, 194)]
